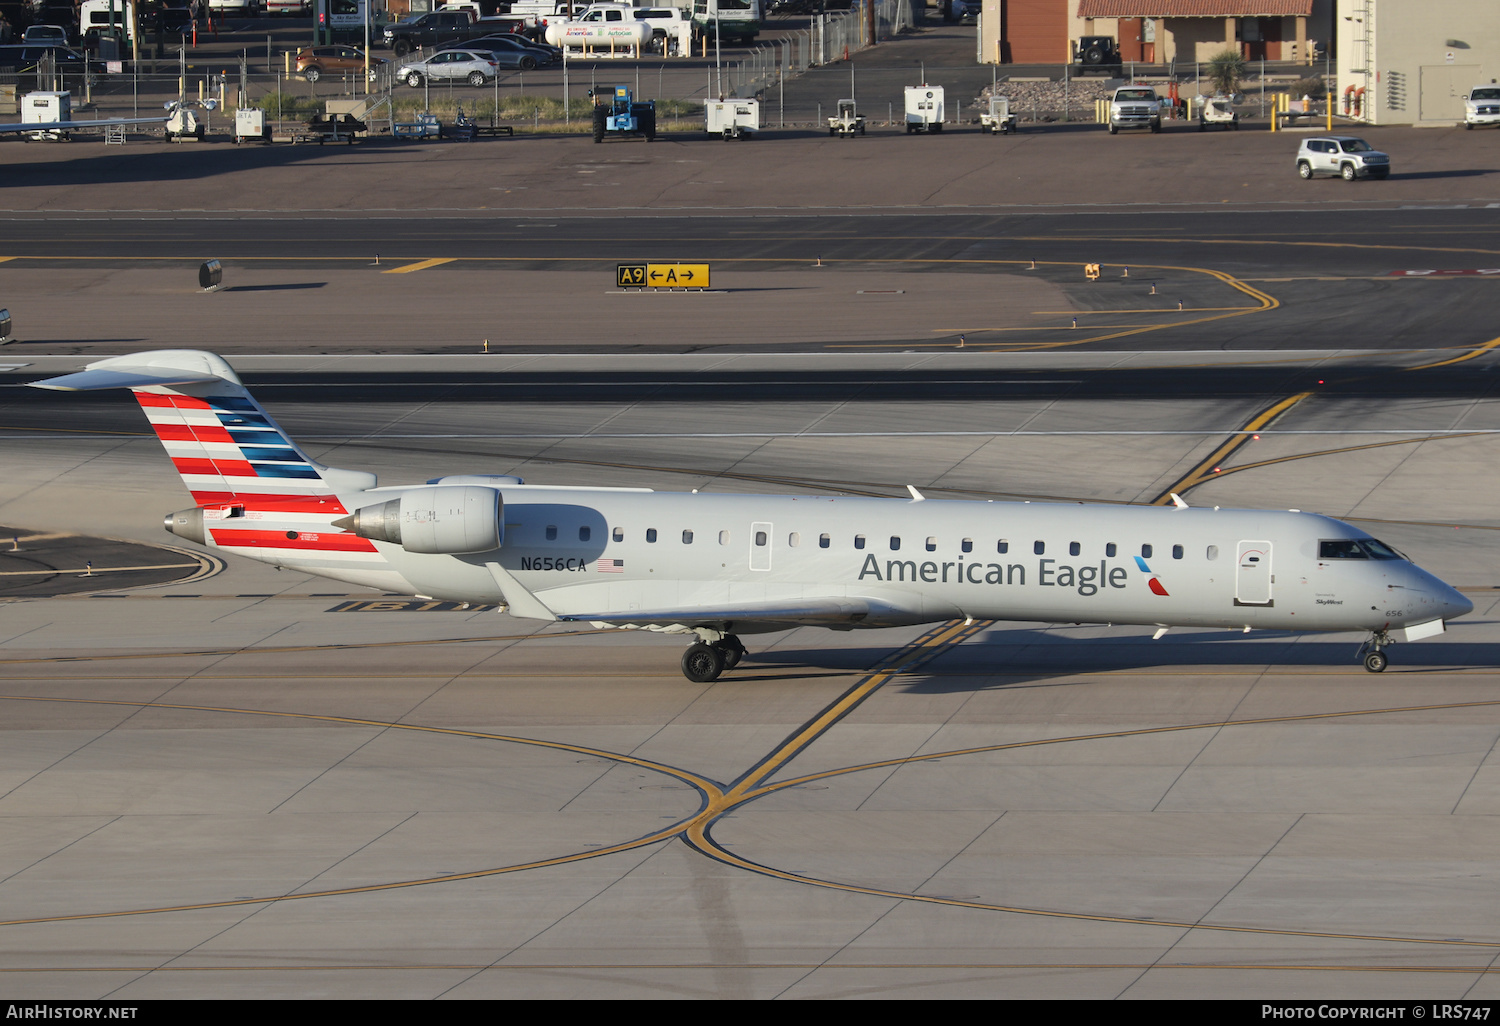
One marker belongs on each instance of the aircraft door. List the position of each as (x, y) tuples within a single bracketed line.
[(760, 546), (1252, 576)]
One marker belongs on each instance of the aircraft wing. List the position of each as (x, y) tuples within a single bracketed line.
[(832, 612), (62, 126)]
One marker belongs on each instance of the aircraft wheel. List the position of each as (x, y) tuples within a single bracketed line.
[(702, 663), (1375, 662), (732, 651)]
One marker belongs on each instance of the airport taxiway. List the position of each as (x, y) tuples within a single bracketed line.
[(262, 784)]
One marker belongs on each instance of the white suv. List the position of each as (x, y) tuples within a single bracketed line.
[(1341, 155), (1481, 108)]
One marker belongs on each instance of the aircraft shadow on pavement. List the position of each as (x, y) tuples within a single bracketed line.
[(1026, 656), (150, 161)]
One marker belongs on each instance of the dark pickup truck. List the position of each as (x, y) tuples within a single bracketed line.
[(433, 29)]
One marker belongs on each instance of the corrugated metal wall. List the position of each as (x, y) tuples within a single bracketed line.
[(1036, 31)]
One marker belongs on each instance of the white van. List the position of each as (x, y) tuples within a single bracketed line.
[(94, 16)]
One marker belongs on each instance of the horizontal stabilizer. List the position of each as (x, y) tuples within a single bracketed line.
[(145, 370)]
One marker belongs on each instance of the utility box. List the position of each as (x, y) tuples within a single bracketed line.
[(44, 109), (732, 119), (924, 108), (250, 125)]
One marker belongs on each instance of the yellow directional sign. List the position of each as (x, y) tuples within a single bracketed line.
[(677, 276), (1091, 272), (661, 276)]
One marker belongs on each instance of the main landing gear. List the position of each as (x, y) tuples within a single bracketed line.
[(1375, 659), (705, 660)]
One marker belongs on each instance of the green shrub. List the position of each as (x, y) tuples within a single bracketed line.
[(1225, 69)]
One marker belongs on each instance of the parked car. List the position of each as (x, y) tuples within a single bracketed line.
[(531, 55), (1341, 155), (476, 66), (313, 62), (1482, 106), (170, 21), (25, 58), (53, 35), (1096, 53)]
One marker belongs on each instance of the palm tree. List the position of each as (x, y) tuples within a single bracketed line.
[(1224, 70)]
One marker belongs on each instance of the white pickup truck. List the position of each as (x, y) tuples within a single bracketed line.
[(1482, 107), (1134, 107)]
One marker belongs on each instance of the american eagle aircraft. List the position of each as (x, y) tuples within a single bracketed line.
[(713, 567)]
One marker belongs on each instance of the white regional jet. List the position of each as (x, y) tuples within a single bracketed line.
[(713, 567)]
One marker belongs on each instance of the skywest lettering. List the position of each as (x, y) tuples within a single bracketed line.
[(1049, 573)]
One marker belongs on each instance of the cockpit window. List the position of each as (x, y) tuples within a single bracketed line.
[(1379, 549), (1356, 548), (1344, 548)]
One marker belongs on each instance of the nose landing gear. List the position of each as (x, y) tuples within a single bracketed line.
[(704, 661), (1375, 659)]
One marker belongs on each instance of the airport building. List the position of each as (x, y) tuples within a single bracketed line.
[(1401, 63), (1154, 31)]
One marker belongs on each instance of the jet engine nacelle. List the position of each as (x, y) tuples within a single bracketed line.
[(446, 520)]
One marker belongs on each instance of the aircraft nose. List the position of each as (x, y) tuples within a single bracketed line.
[(1454, 603)]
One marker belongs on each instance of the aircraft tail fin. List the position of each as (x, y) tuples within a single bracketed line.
[(226, 447)]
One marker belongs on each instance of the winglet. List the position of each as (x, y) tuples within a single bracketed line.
[(916, 496), (1177, 501)]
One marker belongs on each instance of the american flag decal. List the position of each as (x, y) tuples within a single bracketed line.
[(610, 566)]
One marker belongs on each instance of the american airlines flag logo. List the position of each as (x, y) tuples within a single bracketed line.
[(611, 566)]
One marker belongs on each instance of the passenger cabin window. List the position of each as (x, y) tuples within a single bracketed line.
[(895, 543), (1213, 552), (584, 533), (687, 537), (968, 545), (760, 539), (1073, 548), (794, 539), (859, 541), (651, 534), (1110, 549), (723, 537), (1176, 551), (552, 532), (619, 534), (1002, 546), (1039, 547), (1145, 552), (931, 544), (824, 541)]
